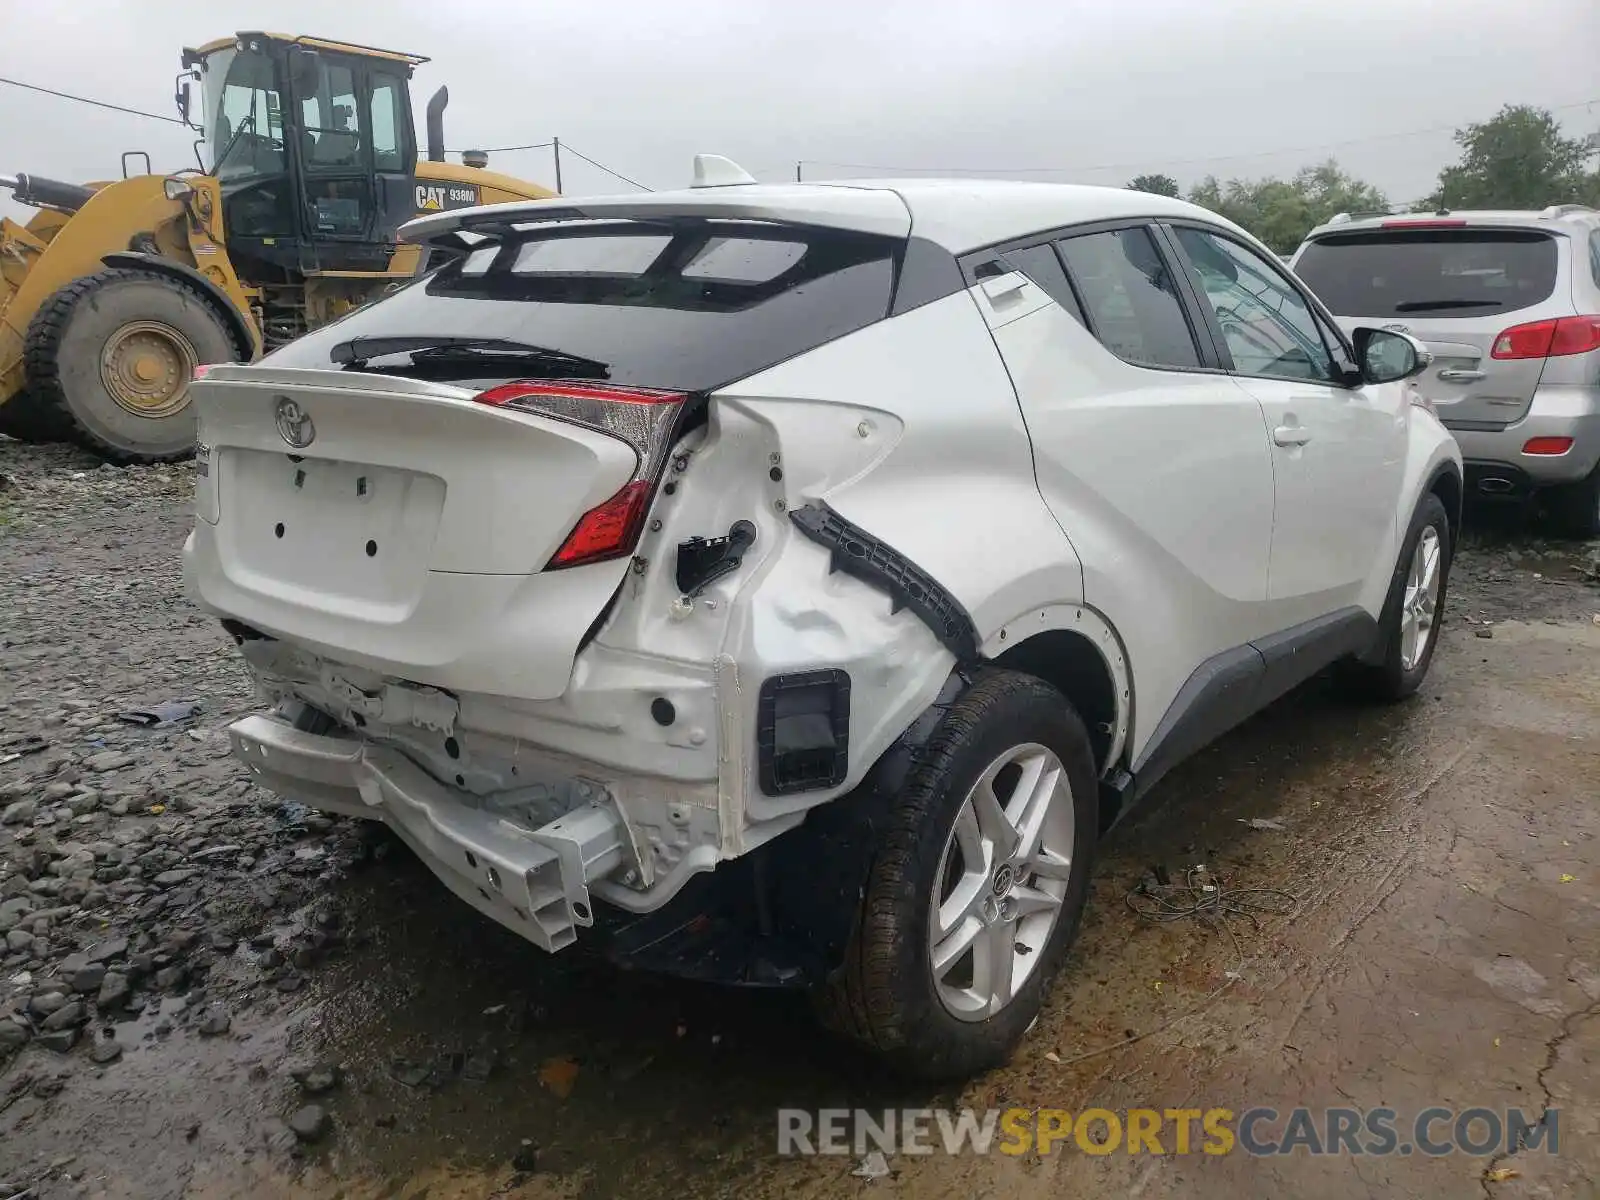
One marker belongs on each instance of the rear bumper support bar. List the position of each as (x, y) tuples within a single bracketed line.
[(533, 881)]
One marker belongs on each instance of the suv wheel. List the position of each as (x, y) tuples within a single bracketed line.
[(977, 889), (1577, 506), (1412, 613)]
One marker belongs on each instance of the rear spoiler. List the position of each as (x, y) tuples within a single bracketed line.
[(827, 206)]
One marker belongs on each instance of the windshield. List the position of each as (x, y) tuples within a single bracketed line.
[(244, 114), (1456, 272), (688, 307)]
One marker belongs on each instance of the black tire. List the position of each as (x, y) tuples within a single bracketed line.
[(62, 356), (1387, 679), (26, 419), (1577, 506), (884, 996)]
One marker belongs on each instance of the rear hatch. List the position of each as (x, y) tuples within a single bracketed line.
[(1455, 287), (448, 485)]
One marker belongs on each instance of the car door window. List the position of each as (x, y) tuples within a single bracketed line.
[(1266, 323), (1040, 264), (1130, 297)]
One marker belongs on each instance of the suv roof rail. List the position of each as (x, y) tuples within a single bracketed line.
[(1561, 210)]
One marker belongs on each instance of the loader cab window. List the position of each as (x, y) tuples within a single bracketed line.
[(388, 117), (331, 124), (245, 130)]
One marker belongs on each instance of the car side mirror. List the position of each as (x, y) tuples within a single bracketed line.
[(182, 98), (1387, 356)]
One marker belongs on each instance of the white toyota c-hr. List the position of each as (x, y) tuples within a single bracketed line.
[(789, 584)]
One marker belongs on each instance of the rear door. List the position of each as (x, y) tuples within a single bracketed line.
[(1456, 288)]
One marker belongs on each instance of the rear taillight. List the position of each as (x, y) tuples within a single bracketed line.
[(608, 530), (644, 418), (1548, 339), (1430, 223)]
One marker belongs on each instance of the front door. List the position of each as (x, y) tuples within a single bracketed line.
[(1337, 450)]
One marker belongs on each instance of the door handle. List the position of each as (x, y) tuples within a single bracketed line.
[(999, 286), (1291, 435), (1460, 375)]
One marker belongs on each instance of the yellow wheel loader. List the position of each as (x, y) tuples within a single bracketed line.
[(115, 292)]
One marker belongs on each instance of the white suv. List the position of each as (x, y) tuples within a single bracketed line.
[(788, 585)]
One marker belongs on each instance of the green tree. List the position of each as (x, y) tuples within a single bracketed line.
[(1159, 185), (1517, 159), (1282, 211)]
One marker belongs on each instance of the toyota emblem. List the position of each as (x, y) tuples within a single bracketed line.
[(294, 424)]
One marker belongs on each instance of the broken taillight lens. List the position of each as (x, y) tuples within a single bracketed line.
[(644, 418)]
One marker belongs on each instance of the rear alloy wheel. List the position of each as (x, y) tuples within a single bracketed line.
[(114, 354), (1002, 879), (1577, 506), (977, 887)]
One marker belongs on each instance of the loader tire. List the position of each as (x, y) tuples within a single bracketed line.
[(23, 417), (111, 356)]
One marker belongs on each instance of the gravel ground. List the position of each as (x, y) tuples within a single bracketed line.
[(141, 873)]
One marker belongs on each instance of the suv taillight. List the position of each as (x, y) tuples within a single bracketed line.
[(1548, 339), (642, 417)]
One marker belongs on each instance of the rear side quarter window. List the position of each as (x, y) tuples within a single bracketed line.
[(1040, 264)]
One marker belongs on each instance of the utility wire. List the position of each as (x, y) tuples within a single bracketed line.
[(1146, 162), (567, 146), (134, 112), (137, 112), (507, 149)]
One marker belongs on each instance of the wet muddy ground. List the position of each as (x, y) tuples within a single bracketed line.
[(1446, 948)]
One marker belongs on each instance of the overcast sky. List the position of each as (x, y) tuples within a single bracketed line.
[(1104, 88)]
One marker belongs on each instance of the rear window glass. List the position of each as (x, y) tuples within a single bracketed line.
[(588, 255), (690, 308), (747, 260), (1458, 272)]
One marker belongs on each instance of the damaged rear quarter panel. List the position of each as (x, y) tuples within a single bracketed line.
[(955, 494), (909, 429)]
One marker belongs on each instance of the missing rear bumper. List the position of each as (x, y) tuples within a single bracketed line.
[(533, 881)]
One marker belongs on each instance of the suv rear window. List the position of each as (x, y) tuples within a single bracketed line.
[(1462, 272), (688, 307)]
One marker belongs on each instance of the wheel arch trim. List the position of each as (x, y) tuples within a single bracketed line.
[(1097, 631)]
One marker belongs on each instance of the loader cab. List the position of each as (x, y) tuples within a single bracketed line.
[(313, 144)]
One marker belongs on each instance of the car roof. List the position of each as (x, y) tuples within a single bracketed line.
[(957, 214)]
